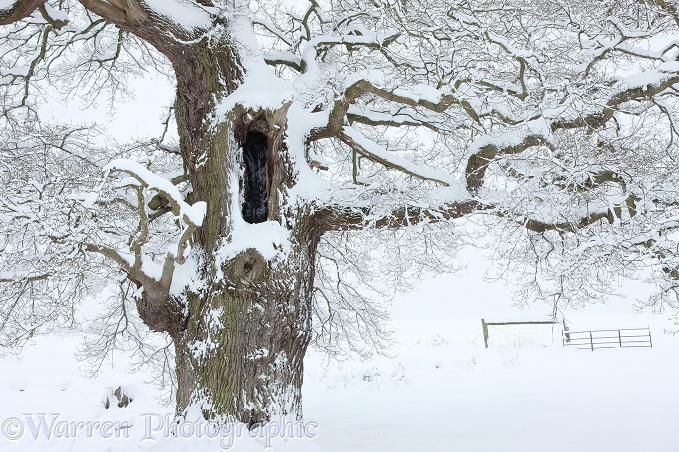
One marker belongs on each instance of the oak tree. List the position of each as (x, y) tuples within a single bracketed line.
[(302, 127)]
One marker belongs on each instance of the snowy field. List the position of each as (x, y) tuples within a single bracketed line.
[(426, 395), (432, 397)]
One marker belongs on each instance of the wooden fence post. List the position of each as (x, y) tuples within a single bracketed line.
[(566, 334), (484, 325)]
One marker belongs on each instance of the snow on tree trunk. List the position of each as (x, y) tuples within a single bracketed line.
[(240, 339), (241, 348), (241, 354)]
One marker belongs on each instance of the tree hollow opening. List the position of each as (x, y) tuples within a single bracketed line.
[(255, 153)]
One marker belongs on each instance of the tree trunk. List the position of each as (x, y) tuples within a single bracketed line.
[(240, 350), (241, 329), (241, 341), (241, 354)]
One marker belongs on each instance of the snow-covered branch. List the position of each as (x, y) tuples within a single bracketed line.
[(190, 216), (15, 10), (373, 151), (346, 218)]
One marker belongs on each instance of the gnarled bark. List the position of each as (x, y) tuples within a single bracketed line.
[(241, 355)]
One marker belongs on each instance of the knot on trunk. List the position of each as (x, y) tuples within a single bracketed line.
[(160, 312), (250, 266)]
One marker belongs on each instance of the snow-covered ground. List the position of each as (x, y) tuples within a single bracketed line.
[(432, 397), (429, 394)]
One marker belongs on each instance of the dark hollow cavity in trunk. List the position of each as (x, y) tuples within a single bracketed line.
[(254, 156)]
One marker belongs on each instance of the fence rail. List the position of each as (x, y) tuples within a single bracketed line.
[(597, 339), (469, 331), (543, 333)]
